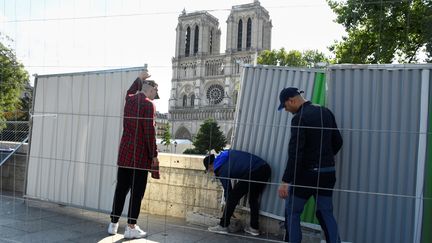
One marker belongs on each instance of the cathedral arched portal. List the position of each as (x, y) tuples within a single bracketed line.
[(183, 133)]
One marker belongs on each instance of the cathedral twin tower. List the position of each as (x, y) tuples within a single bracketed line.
[(205, 82)]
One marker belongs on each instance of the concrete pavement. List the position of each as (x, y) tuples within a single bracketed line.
[(24, 220)]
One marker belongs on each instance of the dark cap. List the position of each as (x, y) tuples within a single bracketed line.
[(287, 93), (208, 160)]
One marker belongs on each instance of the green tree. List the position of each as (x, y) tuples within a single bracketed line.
[(293, 58), (209, 137), (313, 57), (22, 112), (268, 57), (383, 31), (166, 136), (13, 80), (193, 151)]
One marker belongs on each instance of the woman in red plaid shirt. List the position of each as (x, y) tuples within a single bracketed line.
[(137, 154)]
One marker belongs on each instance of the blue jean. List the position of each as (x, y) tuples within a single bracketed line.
[(293, 209)]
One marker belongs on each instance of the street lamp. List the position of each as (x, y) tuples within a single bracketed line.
[(175, 147)]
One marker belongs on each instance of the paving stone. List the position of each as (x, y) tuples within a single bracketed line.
[(48, 236), (22, 221), (32, 226), (6, 232)]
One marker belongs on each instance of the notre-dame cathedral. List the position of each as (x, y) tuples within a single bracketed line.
[(205, 82)]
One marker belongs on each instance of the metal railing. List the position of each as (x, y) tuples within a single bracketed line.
[(12, 136), (14, 131)]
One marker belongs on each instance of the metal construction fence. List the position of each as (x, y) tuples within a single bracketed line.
[(384, 178), (384, 174)]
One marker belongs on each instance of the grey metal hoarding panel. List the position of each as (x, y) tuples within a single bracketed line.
[(261, 129), (378, 110), (76, 132)]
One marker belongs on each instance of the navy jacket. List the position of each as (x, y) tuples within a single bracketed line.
[(235, 164), (310, 146)]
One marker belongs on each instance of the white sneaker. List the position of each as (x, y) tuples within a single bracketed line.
[(112, 228), (218, 229), (251, 231), (134, 233)]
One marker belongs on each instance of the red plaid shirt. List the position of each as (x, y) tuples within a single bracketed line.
[(138, 142)]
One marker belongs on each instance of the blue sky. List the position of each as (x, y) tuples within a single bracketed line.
[(57, 36)]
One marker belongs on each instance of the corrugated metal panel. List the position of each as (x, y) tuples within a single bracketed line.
[(422, 153), (378, 108), (262, 130), (75, 137), (427, 211)]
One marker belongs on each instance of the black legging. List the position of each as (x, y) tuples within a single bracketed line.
[(240, 189), (134, 180)]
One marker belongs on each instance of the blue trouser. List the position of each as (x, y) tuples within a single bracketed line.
[(294, 205)]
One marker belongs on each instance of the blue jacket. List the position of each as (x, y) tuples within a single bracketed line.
[(235, 164)]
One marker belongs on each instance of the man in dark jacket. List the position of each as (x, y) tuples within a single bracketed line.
[(252, 173), (310, 171)]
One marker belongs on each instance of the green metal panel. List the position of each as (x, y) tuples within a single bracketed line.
[(318, 97), (427, 202), (319, 92)]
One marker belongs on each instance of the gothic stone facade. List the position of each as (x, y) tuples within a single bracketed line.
[(205, 82)]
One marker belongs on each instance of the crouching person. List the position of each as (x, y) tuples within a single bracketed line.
[(252, 173)]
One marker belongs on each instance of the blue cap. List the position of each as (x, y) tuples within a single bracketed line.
[(287, 93)]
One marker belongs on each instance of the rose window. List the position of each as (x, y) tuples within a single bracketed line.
[(215, 94)]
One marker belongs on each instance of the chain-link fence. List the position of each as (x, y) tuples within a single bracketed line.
[(15, 131), (12, 136)]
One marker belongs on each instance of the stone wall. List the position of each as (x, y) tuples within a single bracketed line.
[(183, 187)]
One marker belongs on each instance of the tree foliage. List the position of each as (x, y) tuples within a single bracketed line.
[(193, 151), (166, 136), (13, 80), (383, 31), (293, 58), (209, 137), (22, 112)]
